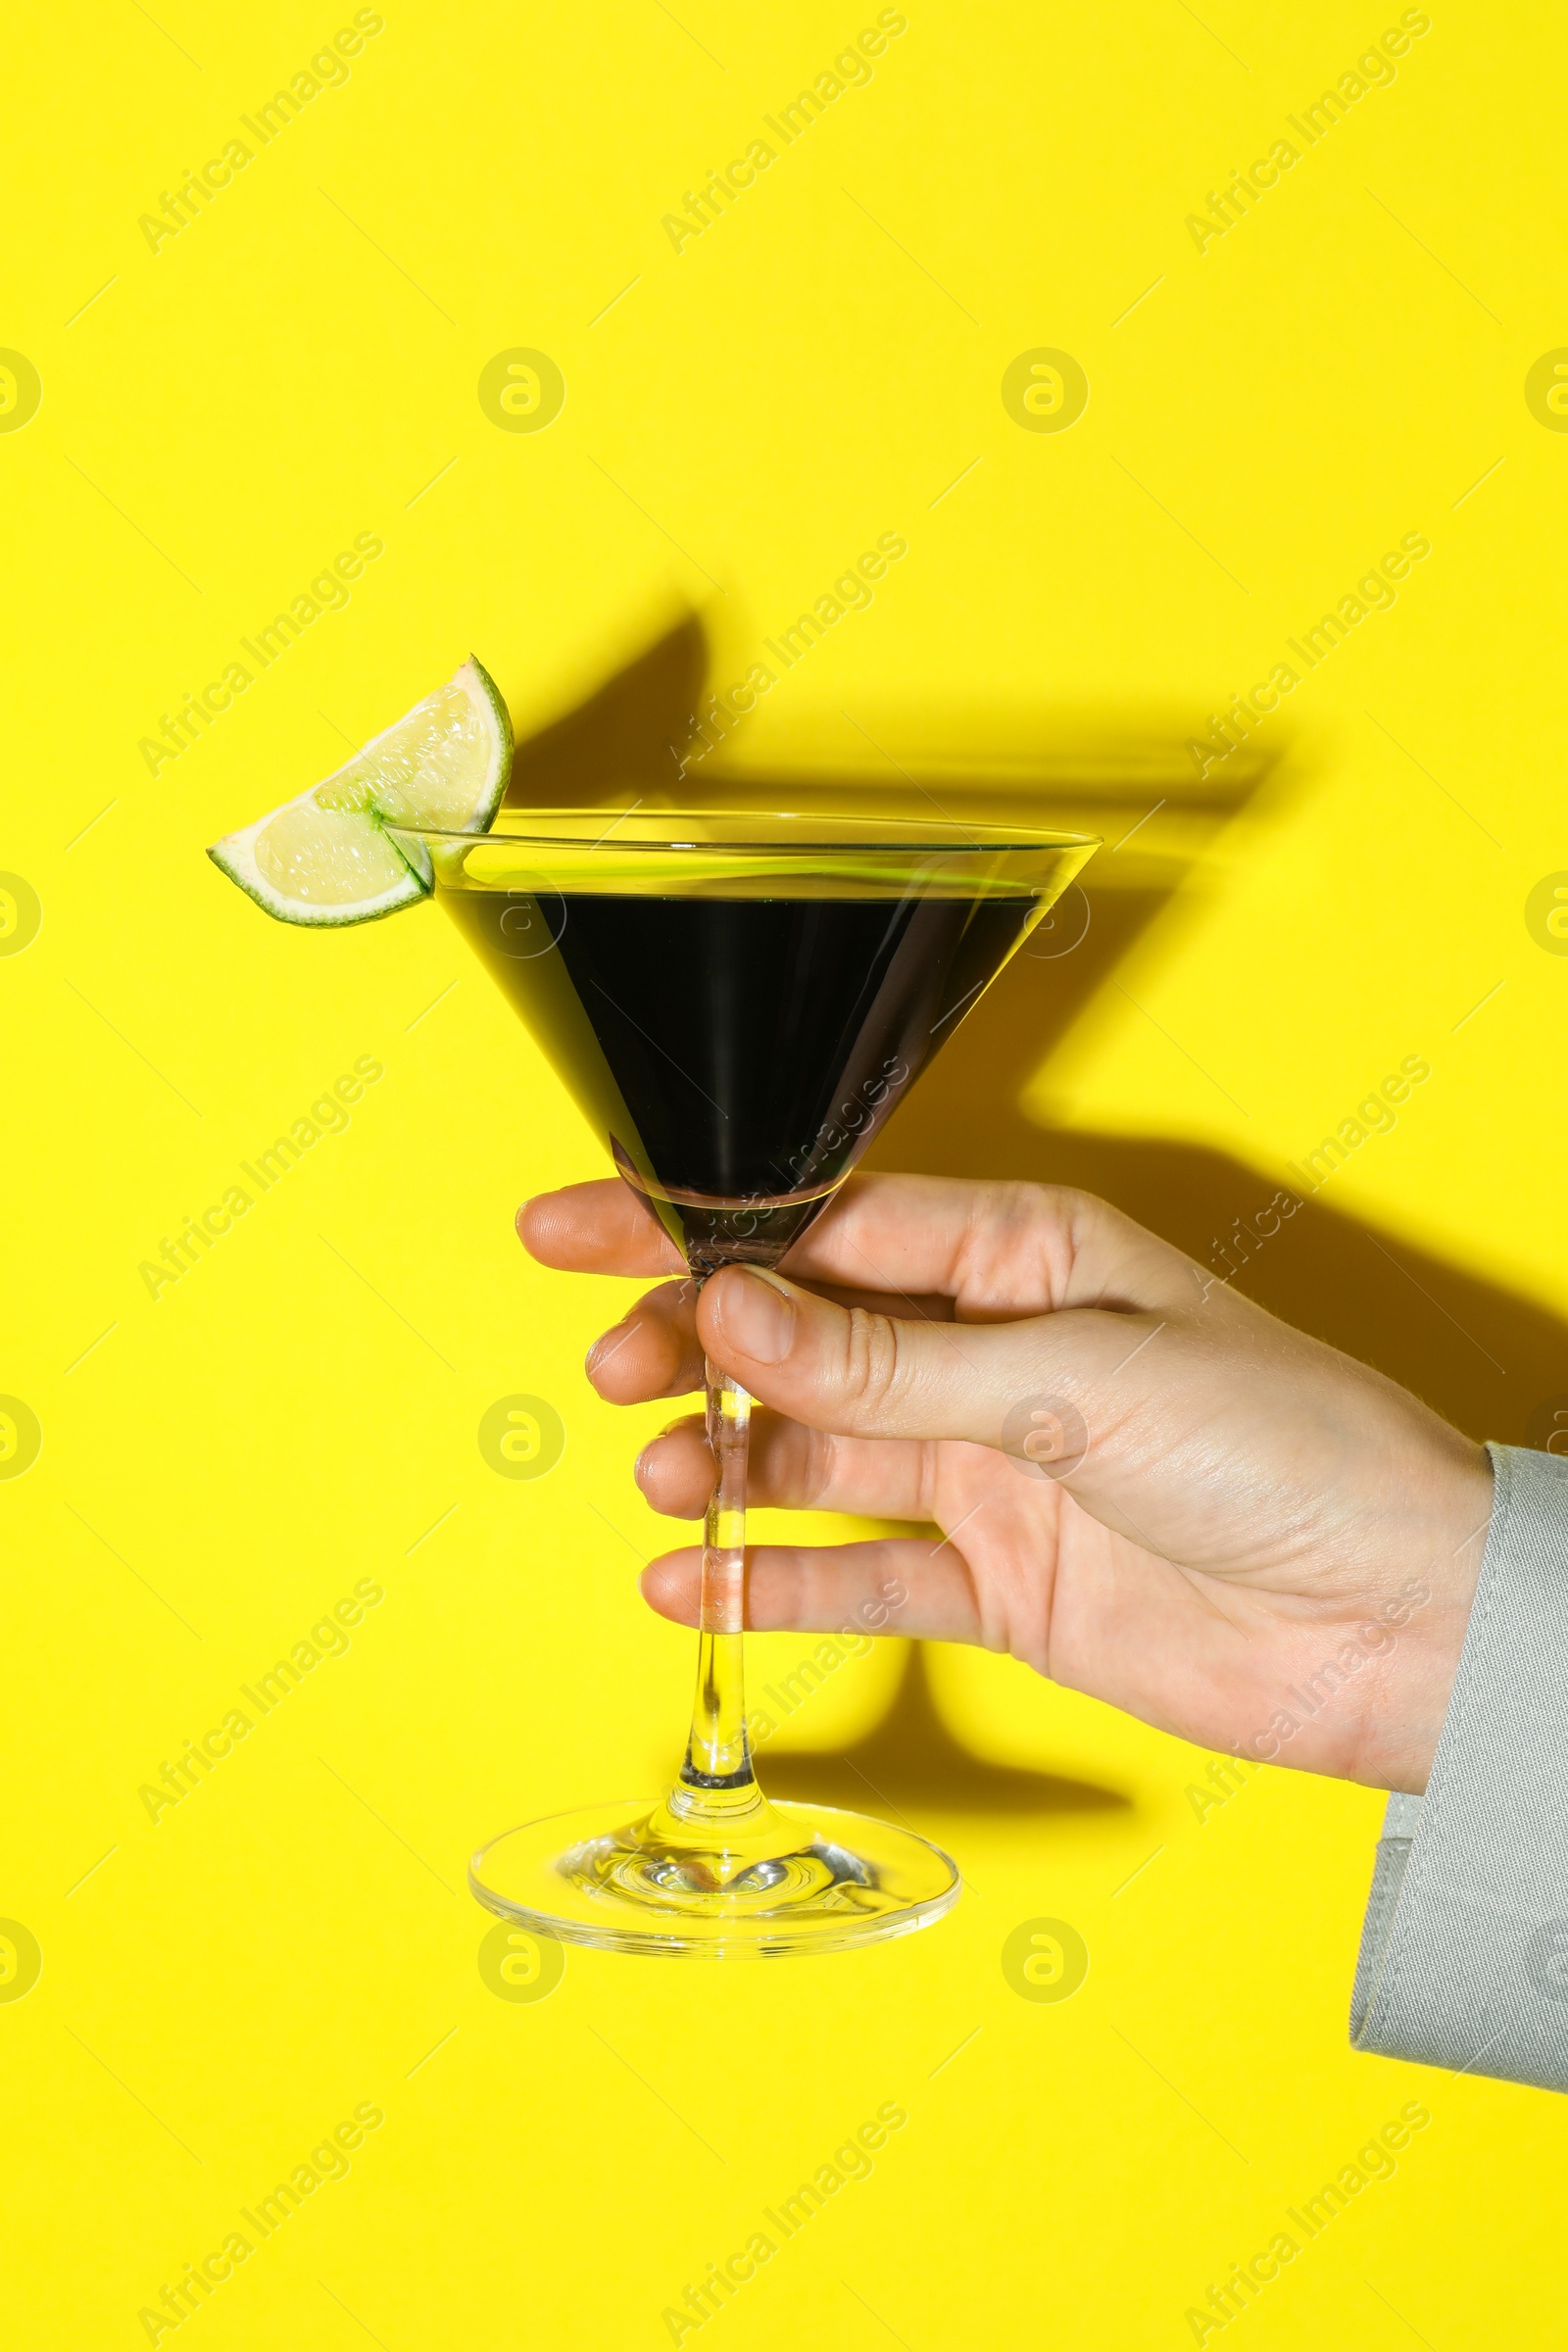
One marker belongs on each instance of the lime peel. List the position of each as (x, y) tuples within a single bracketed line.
[(326, 857)]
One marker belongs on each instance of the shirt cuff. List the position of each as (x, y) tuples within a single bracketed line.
[(1464, 1950)]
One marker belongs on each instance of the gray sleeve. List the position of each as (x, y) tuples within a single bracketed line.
[(1464, 1950)]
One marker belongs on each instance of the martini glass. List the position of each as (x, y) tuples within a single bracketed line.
[(737, 1003)]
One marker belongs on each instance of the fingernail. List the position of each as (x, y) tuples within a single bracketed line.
[(757, 1310), (642, 1461), (603, 1348)]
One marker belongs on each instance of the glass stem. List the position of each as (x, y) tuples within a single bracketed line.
[(718, 1756)]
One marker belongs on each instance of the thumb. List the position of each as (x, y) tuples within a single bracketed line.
[(1028, 1388)]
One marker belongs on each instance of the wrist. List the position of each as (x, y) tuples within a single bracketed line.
[(1430, 1616)]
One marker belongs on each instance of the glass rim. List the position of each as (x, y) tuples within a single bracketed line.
[(837, 834)]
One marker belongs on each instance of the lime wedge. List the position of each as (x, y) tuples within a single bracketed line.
[(328, 858)]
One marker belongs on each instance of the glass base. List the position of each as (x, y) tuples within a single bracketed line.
[(716, 1874)]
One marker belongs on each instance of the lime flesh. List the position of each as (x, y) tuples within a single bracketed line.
[(326, 857)]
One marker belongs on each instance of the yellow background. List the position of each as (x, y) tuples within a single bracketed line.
[(218, 1466)]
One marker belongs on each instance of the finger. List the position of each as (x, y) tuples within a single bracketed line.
[(792, 1468), (998, 1249), (653, 1352), (601, 1227), (862, 1374), (895, 1584), (607, 1228)]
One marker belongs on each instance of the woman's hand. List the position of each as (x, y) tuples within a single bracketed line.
[(1145, 1487)]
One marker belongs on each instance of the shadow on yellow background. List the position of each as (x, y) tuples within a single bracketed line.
[(1482, 1356), (912, 1757)]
